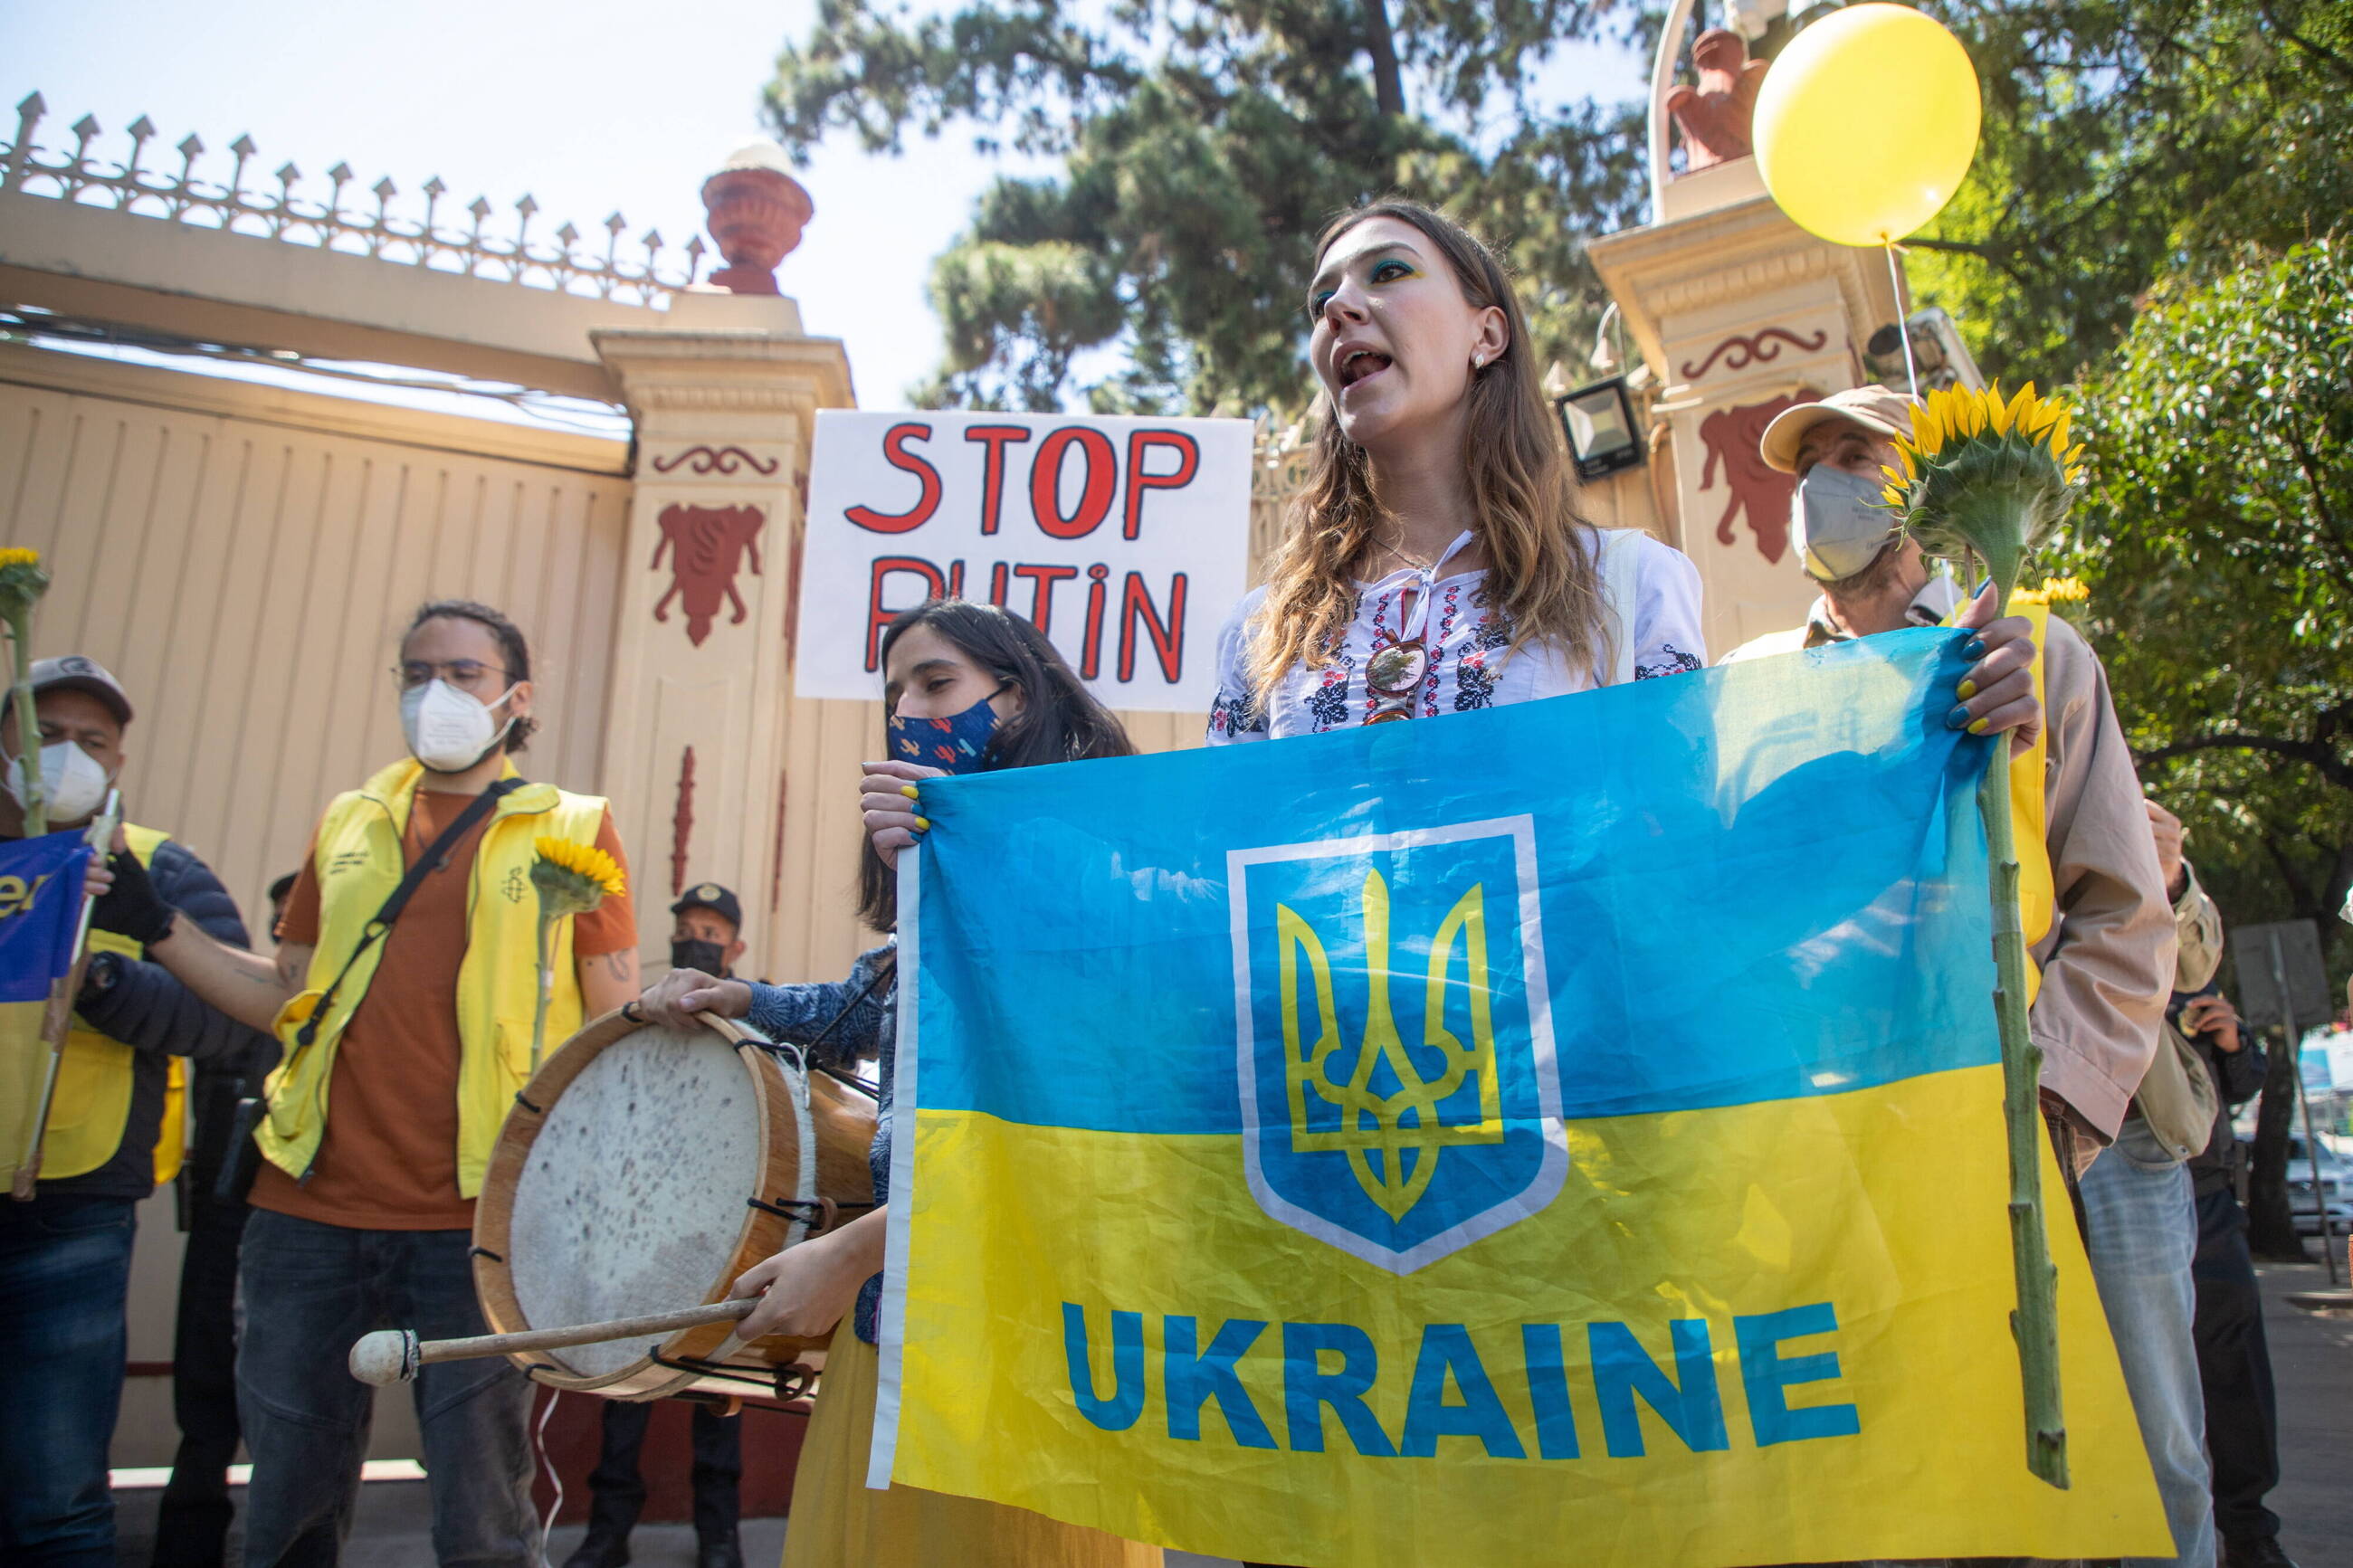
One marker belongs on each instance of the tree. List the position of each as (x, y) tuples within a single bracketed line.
[(2125, 139), (2217, 538), (1203, 146)]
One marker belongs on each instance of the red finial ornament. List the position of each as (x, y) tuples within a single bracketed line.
[(758, 212)]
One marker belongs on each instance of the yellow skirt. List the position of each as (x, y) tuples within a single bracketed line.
[(838, 1523)]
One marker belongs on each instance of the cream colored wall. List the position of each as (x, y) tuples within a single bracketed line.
[(243, 559)]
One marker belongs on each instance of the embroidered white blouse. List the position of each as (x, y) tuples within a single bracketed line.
[(1470, 664)]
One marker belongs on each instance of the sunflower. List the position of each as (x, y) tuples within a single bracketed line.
[(576, 877), (572, 880), (1986, 476), (22, 580), (2057, 591)]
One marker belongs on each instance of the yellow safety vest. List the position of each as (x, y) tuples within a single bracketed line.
[(92, 1105), (359, 863)]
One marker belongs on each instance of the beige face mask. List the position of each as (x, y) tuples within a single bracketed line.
[(1838, 522)]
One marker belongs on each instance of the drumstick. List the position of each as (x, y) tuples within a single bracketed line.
[(393, 1355)]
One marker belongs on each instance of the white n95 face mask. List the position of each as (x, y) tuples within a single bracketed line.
[(73, 782), (447, 730), (1839, 522)]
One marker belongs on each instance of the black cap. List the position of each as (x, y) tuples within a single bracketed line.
[(713, 897), (72, 672)]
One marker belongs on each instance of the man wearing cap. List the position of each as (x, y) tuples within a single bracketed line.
[(707, 935), (2102, 936), (115, 1128)]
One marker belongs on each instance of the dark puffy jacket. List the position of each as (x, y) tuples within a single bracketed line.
[(158, 1017)]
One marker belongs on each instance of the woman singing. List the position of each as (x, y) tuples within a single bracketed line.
[(1436, 561)]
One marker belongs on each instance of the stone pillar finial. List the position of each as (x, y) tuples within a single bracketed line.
[(1713, 116), (758, 212)]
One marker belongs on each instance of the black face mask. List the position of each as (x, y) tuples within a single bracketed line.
[(707, 956)]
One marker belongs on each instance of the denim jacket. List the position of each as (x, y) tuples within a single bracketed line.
[(798, 1015)]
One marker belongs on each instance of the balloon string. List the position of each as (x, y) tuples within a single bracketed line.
[(1902, 326)]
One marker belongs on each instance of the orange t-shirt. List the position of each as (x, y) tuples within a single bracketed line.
[(389, 1158)]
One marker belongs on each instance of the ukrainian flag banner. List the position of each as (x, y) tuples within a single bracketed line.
[(40, 912), (1567, 1131)]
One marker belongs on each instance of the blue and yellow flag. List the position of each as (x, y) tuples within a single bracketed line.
[(40, 905), (1566, 1133)]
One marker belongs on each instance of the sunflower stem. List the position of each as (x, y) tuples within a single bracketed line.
[(547, 984), (28, 727), (2035, 1322)]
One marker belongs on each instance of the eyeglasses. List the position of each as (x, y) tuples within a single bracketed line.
[(466, 674), (1393, 676)]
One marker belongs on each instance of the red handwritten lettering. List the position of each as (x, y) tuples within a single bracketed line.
[(1046, 483), (1189, 463), (895, 453), (1167, 635), (992, 471), (878, 616), (1041, 603)]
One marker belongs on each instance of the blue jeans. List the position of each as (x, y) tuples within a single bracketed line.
[(65, 1269), (2143, 1233), (309, 1290)]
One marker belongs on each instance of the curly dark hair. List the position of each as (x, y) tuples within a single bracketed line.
[(512, 647)]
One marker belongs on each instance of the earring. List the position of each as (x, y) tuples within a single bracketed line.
[(1477, 361)]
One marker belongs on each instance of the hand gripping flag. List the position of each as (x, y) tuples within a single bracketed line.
[(40, 905), (1564, 1133)]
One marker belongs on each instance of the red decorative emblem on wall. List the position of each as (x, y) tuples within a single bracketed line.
[(1730, 435), (717, 460), (681, 822), (706, 546), (1760, 349)]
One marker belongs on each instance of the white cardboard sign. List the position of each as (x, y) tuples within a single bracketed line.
[(1124, 541)]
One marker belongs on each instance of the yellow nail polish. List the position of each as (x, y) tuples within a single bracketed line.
[(1967, 689), (924, 823), (1976, 726), (909, 790)]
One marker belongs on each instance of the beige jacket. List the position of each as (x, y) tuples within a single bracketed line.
[(2198, 928), (2108, 959)]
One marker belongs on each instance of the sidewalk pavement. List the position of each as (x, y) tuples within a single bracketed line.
[(2312, 1361)]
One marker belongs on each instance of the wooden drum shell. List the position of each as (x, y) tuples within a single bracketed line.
[(842, 1120)]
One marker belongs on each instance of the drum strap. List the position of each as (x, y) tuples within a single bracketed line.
[(434, 856)]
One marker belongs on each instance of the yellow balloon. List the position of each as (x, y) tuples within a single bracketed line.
[(1866, 124)]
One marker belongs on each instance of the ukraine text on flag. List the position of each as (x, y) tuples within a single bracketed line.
[(1574, 1125)]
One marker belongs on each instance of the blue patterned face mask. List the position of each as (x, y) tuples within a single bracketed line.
[(955, 744)]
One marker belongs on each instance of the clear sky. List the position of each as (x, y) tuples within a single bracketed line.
[(588, 105)]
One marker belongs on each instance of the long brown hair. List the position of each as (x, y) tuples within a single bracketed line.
[(1540, 557)]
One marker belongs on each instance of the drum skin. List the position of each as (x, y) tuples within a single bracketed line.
[(621, 1183)]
